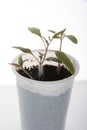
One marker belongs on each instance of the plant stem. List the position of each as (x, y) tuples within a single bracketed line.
[(60, 43), (43, 42), (40, 71), (36, 58), (59, 67), (45, 54)]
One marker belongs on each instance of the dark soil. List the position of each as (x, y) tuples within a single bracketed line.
[(50, 73)]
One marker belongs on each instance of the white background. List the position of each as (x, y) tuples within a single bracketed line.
[(17, 15)]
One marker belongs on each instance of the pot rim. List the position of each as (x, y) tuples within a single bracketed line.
[(76, 65)]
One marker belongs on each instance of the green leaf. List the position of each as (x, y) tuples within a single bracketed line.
[(61, 32), (65, 59), (16, 65), (52, 59), (25, 50), (72, 38), (51, 31), (35, 30), (20, 61), (56, 35)]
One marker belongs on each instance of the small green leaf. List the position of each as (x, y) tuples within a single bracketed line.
[(56, 35), (72, 38), (61, 32), (51, 31), (25, 50), (20, 61), (65, 59), (52, 59), (16, 65), (35, 30)]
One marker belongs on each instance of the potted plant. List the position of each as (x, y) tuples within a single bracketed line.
[(44, 80)]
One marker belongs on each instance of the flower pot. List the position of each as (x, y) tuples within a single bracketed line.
[(44, 104)]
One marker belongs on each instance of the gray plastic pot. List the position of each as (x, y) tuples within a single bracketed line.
[(44, 105)]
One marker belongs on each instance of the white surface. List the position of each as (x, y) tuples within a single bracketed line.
[(77, 114)]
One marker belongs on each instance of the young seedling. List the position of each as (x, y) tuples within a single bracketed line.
[(61, 57), (41, 57), (19, 65)]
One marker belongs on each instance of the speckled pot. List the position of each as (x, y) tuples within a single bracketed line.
[(44, 105)]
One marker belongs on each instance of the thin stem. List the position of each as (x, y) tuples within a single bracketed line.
[(43, 42), (60, 43), (41, 73), (45, 54), (36, 58), (61, 40), (46, 50), (59, 67)]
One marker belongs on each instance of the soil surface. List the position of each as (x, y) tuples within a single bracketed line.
[(50, 73)]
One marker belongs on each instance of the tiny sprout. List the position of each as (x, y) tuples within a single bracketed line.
[(72, 38), (20, 61)]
